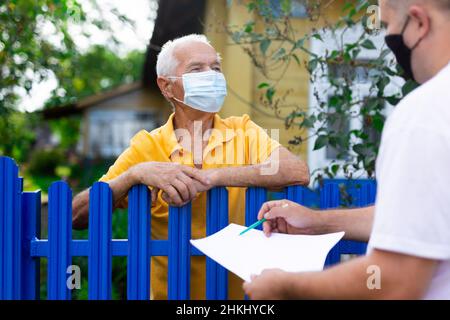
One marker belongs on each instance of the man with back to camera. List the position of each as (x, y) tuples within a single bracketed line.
[(409, 226)]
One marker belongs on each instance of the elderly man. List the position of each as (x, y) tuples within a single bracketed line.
[(194, 151), (409, 227)]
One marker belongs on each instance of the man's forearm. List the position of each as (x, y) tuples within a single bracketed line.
[(119, 187), (345, 281), (121, 184), (357, 223), (270, 174), (246, 176), (380, 275)]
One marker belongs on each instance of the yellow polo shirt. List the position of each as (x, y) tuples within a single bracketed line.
[(234, 141)]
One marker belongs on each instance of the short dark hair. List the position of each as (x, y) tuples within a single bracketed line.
[(443, 4)]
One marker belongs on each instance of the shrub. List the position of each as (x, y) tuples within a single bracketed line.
[(44, 162)]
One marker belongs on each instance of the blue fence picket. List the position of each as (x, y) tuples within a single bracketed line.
[(302, 195), (295, 193), (139, 250), (363, 194), (100, 235), (59, 239), (254, 199), (31, 230), (179, 252), (10, 230), (330, 198), (216, 219)]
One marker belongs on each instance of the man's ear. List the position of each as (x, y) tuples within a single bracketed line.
[(421, 22), (165, 85)]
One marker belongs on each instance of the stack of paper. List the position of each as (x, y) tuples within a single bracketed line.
[(253, 252)]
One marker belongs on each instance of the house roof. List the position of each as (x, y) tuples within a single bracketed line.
[(77, 107)]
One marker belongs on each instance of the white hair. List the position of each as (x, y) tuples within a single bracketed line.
[(167, 62)]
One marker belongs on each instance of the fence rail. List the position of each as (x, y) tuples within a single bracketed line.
[(21, 246)]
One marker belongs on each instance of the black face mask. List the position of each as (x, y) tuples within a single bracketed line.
[(403, 54)]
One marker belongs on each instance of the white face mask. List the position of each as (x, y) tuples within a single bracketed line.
[(204, 91)]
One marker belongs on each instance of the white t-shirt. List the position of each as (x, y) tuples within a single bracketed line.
[(412, 214)]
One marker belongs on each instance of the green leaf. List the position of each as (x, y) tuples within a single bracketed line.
[(307, 123), (251, 6), (263, 85), (368, 44), (378, 122), (389, 72), (355, 53), (347, 57), (393, 100), (321, 142), (334, 54), (286, 6), (334, 101), (312, 65), (381, 84), (264, 45), (335, 169), (280, 54), (384, 53), (359, 149), (408, 87), (270, 92), (371, 105), (300, 43), (317, 36), (296, 58), (249, 27)]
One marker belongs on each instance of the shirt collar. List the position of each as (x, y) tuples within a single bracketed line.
[(222, 133), (170, 140)]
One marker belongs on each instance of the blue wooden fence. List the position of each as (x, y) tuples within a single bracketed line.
[(21, 246)]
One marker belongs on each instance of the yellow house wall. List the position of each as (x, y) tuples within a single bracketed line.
[(243, 78)]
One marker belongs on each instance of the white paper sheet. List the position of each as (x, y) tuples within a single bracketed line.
[(253, 252)]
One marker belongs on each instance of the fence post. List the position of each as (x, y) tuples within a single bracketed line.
[(31, 229), (330, 198), (100, 235), (179, 252), (10, 230), (139, 237), (216, 219), (59, 239), (254, 198)]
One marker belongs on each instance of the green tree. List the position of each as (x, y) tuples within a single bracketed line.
[(276, 46), (94, 71), (36, 43), (85, 74)]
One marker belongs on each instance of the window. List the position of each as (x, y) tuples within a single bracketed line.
[(110, 131), (337, 124), (359, 73)]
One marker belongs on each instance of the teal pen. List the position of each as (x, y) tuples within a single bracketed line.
[(253, 226)]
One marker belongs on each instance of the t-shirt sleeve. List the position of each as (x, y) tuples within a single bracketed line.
[(130, 157), (260, 145), (413, 202)]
